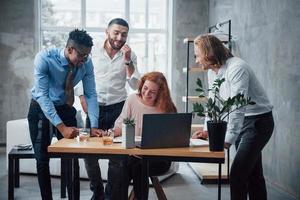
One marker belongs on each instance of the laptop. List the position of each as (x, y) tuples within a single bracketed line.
[(165, 130)]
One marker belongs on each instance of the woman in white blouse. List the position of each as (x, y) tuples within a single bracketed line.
[(249, 128), (153, 97)]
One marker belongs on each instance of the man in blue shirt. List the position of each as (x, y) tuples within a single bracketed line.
[(53, 97)]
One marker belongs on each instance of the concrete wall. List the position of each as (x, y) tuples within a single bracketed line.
[(268, 38), (190, 18), (17, 49), (267, 34)]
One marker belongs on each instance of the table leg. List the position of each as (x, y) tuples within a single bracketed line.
[(63, 183), (75, 182), (77, 186), (17, 172), (228, 164), (219, 181), (10, 177)]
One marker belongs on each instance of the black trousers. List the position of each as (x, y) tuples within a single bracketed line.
[(134, 168), (41, 136), (107, 117), (246, 174)]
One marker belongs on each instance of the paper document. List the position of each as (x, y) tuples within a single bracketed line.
[(119, 139), (198, 142), (23, 147)]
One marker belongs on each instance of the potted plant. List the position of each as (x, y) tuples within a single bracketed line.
[(217, 109), (128, 133)]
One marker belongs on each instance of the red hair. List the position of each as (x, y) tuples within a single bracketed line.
[(163, 100)]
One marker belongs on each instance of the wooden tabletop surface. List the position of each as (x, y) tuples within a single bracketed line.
[(95, 146)]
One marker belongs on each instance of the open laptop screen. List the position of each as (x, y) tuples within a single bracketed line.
[(166, 130)]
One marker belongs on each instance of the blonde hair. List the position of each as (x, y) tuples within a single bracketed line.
[(215, 52)]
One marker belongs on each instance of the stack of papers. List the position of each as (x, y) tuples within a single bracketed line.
[(198, 142), (119, 139), (23, 147)]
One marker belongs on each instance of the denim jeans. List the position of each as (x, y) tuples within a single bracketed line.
[(107, 118), (41, 136), (246, 174)]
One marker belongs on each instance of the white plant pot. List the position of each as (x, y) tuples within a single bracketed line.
[(128, 133)]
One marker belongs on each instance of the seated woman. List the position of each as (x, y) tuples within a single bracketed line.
[(153, 97)]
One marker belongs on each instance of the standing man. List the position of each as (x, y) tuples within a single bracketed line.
[(115, 64), (249, 128), (56, 73)]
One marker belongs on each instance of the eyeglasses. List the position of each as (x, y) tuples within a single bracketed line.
[(80, 55)]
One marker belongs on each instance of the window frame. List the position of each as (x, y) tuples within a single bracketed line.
[(146, 31)]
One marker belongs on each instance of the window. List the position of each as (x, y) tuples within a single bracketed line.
[(148, 21)]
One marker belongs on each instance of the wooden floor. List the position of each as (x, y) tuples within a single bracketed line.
[(184, 185)]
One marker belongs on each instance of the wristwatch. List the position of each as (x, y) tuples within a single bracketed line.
[(129, 63)]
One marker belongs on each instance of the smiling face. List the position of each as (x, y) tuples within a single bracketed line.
[(149, 93), (117, 36)]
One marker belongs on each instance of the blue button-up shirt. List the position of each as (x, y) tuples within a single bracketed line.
[(51, 68)]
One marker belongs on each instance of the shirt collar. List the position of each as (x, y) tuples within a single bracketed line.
[(63, 58), (221, 71)]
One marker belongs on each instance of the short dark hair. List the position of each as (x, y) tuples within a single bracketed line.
[(80, 37), (118, 21)]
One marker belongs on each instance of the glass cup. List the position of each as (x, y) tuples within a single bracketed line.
[(108, 137), (83, 135)]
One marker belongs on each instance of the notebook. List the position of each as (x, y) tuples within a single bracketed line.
[(165, 130)]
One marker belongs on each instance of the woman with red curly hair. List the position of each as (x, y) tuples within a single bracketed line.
[(153, 97)]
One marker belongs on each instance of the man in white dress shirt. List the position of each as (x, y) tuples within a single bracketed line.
[(114, 65)]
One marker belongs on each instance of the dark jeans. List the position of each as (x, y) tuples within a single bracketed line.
[(246, 174), (107, 118), (41, 136), (134, 167)]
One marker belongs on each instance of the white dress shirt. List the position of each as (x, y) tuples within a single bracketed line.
[(110, 76), (239, 78)]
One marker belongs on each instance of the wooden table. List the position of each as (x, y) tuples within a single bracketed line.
[(72, 149)]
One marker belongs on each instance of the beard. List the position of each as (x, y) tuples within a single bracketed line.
[(112, 44)]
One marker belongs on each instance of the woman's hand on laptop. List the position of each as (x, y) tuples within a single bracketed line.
[(200, 135)]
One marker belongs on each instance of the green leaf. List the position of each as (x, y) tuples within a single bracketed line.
[(129, 121), (199, 83), (217, 108), (199, 109)]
